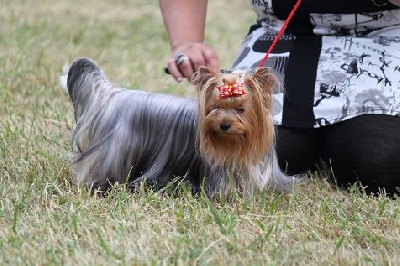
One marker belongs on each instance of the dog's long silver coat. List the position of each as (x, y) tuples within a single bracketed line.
[(127, 136)]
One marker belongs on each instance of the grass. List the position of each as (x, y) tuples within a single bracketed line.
[(43, 220)]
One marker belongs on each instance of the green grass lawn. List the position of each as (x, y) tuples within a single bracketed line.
[(45, 221)]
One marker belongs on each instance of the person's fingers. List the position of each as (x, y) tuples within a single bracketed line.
[(174, 71), (197, 58), (185, 66), (212, 59), (184, 61), (189, 57)]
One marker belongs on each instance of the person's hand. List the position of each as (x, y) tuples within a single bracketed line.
[(188, 57), (395, 2)]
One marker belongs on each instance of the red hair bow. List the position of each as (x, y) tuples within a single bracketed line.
[(228, 90)]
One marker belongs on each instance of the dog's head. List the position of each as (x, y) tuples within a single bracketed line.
[(235, 125)]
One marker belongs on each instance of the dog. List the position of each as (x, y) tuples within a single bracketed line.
[(222, 141)]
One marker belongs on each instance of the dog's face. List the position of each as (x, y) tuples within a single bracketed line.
[(228, 119), (234, 118)]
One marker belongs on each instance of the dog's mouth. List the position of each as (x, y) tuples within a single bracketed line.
[(224, 128), (230, 134)]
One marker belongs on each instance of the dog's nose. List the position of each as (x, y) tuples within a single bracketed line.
[(224, 126)]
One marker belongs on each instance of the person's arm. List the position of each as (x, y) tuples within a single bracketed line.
[(185, 23), (395, 2), (184, 20)]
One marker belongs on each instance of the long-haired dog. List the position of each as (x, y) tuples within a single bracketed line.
[(222, 141)]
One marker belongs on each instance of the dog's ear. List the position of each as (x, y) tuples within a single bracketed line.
[(265, 78), (201, 76)]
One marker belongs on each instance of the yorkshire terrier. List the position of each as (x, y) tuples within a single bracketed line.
[(223, 141)]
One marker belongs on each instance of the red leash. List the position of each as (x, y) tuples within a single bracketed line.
[(280, 32)]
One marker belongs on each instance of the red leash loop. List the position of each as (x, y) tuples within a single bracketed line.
[(280, 32)]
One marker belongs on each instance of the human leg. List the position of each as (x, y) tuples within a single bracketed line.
[(365, 149), (298, 149)]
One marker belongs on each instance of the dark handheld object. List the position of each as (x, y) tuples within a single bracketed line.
[(166, 71)]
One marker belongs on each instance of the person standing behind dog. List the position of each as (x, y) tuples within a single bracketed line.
[(339, 62)]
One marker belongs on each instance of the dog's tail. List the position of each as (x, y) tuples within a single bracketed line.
[(64, 76), (84, 82)]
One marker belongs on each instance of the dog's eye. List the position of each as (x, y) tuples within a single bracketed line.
[(240, 110), (213, 108)]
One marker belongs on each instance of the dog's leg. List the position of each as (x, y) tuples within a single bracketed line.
[(277, 179)]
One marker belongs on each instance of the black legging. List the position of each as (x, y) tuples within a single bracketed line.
[(364, 149)]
